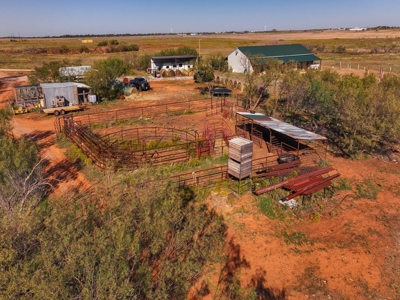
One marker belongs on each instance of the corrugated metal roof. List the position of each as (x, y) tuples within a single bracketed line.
[(173, 57), (57, 85), (81, 85), (283, 127), (285, 53)]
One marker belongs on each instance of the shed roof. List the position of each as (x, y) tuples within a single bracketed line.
[(57, 85), (174, 57), (283, 127), (285, 53)]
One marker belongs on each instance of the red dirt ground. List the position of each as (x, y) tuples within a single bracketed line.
[(350, 252)]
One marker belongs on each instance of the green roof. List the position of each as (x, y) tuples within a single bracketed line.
[(285, 53)]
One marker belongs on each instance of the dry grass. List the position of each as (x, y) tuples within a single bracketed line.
[(359, 47)]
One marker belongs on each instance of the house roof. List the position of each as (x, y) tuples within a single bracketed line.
[(285, 53), (283, 127)]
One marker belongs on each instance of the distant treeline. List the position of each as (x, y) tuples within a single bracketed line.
[(189, 33)]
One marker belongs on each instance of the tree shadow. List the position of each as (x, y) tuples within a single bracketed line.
[(41, 138), (233, 264), (264, 293), (229, 279), (63, 171)]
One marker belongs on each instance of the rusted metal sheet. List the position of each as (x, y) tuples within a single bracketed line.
[(293, 180), (314, 186)]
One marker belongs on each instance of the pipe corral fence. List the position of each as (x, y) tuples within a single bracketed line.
[(132, 148)]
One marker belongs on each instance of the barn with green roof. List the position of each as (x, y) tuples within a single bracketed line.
[(241, 59)]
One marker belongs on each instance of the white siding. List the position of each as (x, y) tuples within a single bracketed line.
[(67, 89), (238, 62)]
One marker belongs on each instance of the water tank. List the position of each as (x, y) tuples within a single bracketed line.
[(92, 98)]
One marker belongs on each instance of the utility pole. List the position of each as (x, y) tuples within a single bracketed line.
[(199, 47)]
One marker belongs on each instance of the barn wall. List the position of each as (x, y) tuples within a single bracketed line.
[(239, 62)]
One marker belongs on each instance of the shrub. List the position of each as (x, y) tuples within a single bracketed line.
[(102, 43), (368, 190)]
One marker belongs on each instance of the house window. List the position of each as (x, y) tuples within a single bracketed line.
[(180, 65)]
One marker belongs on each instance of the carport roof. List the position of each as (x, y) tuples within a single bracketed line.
[(285, 53), (282, 127)]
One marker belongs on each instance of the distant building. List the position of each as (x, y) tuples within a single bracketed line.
[(174, 63), (357, 29), (76, 72), (240, 60)]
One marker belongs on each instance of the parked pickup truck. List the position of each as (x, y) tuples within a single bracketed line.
[(139, 83)]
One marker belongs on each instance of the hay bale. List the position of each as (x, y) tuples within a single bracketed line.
[(163, 73), (184, 72), (128, 90), (169, 73)]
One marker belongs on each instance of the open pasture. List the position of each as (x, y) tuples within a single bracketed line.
[(372, 49)]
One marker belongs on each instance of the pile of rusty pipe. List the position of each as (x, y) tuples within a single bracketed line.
[(291, 180)]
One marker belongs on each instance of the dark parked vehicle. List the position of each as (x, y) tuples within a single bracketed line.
[(139, 83)]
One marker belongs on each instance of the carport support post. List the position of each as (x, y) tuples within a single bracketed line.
[(251, 136), (298, 147)]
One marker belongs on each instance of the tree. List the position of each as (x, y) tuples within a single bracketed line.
[(103, 77), (48, 72), (151, 241), (218, 62), (204, 71), (179, 51), (258, 80), (22, 181), (141, 62)]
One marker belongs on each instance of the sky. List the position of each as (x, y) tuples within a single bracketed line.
[(38, 18)]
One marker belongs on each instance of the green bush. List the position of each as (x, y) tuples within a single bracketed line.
[(102, 43)]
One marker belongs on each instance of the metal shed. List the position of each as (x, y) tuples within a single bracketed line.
[(68, 90)]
